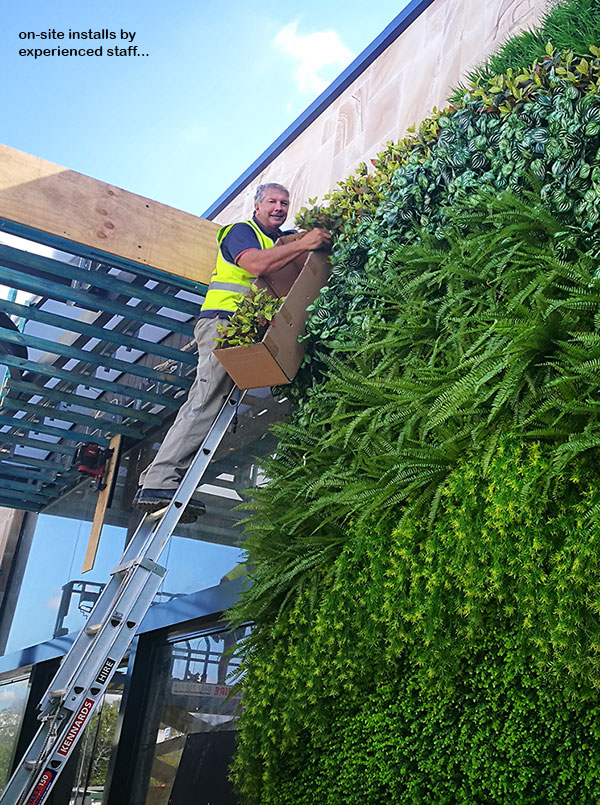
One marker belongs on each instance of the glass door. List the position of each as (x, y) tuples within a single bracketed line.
[(189, 731)]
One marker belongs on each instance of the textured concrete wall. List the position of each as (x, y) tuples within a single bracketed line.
[(398, 89)]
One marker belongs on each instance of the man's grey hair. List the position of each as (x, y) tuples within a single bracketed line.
[(262, 189)]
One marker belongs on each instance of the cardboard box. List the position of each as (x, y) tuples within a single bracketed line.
[(276, 360)]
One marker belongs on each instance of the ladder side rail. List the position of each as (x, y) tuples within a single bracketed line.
[(66, 726), (133, 585), (85, 639), (114, 638), (147, 543)]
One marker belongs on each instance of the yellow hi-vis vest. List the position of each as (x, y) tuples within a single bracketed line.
[(230, 283)]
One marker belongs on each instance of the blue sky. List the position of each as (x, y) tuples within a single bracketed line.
[(220, 83)]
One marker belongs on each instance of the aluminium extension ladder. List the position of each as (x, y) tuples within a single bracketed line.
[(82, 679)]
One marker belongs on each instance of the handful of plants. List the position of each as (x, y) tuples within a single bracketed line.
[(250, 321)]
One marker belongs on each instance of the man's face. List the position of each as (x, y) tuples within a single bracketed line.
[(272, 211)]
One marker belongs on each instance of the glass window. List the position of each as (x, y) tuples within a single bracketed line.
[(188, 735), (14, 693), (55, 596)]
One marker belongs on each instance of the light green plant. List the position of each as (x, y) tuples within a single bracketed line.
[(250, 321)]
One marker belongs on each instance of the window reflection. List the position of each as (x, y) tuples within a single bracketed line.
[(55, 559), (13, 700), (188, 737), (62, 597)]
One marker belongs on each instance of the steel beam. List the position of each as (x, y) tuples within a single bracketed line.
[(97, 359), (89, 381), (47, 265), (12, 504), (18, 279), (81, 250), (35, 475), (41, 427), (79, 419), (22, 487), (42, 463), (101, 333), (37, 444), (70, 398)]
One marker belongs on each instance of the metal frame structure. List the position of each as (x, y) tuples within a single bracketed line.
[(109, 351)]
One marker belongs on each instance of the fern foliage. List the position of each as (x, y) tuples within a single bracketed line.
[(426, 579)]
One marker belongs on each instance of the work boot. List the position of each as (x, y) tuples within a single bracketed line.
[(152, 500)]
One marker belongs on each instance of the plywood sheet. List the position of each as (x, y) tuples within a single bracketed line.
[(102, 505), (70, 205)]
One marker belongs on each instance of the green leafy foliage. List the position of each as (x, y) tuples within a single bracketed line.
[(494, 331), (540, 121), (572, 26), (250, 321), (453, 664), (426, 584)]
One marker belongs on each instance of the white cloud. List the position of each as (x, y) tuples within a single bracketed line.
[(312, 52)]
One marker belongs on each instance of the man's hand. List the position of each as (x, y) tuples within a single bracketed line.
[(315, 238), (265, 261)]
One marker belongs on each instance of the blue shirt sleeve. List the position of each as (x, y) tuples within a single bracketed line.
[(239, 238)]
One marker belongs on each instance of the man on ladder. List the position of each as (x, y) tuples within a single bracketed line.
[(244, 253), (83, 677)]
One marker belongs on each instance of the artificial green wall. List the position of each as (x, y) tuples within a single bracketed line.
[(426, 583)]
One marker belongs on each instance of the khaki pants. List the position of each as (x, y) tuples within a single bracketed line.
[(194, 418)]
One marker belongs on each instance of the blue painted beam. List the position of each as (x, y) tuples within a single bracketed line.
[(42, 463), (101, 333), (38, 444), (65, 416), (25, 260), (71, 398), (90, 253), (12, 503), (95, 358), (41, 427), (17, 486), (24, 282), (35, 475), (89, 381)]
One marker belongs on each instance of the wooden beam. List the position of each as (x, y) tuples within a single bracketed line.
[(102, 505), (69, 205)]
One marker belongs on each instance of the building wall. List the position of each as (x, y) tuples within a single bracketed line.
[(414, 74)]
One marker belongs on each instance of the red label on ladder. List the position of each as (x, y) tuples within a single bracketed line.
[(75, 728), (42, 787)]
